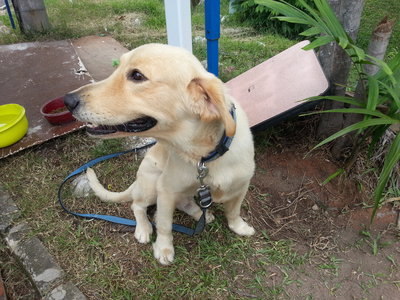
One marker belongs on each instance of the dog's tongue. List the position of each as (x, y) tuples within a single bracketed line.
[(137, 125)]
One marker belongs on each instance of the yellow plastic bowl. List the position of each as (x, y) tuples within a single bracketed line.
[(13, 124)]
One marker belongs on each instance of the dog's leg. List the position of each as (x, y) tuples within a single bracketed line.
[(163, 247), (144, 229), (189, 206), (144, 194), (232, 213)]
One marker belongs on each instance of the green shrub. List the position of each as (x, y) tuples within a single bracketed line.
[(263, 19), (382, 90)]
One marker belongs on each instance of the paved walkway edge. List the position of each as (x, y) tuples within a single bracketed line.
[(46, 275)]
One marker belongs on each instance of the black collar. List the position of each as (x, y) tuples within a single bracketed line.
[(223, 144)]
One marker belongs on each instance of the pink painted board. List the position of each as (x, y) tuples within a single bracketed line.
[(278, 84)]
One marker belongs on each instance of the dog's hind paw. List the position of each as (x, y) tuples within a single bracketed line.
[(164, 254)]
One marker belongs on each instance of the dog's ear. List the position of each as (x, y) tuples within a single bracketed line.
[(209, 102)]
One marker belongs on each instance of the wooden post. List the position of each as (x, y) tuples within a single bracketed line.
[(31, 15), (377, 48), (379, 42)]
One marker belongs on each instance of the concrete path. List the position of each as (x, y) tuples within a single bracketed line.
[(44, 272)]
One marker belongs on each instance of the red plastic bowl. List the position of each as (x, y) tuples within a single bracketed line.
[(51, 111)]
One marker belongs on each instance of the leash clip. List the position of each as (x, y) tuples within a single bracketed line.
[(202, 172), (204, 199)]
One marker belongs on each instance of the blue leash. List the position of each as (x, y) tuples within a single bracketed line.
[(118, 220)]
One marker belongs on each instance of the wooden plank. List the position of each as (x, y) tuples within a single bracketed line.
[(277, 85)]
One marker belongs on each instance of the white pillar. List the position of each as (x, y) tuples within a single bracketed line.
[(179, 23)]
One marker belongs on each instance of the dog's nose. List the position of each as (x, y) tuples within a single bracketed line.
[(71, 101)]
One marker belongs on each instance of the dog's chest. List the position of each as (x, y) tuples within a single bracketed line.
[(220, 188)]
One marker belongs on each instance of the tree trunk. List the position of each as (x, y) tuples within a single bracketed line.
[(337, 64), (376, 48)]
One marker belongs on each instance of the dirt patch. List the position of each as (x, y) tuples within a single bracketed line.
[(285, 172), (353, 270), (351, 258), (289, 196)]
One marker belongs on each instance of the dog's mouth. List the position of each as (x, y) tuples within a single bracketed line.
[(137, 125)]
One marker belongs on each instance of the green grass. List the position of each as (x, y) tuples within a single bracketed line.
[(332, 267), (106, 261), (373, 13)]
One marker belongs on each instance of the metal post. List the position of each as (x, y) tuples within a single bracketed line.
[(212, 24), (10, 16)]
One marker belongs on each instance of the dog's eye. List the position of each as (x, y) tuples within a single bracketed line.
[(135, 75)]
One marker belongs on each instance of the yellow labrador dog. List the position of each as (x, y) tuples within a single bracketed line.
[(164, 92)]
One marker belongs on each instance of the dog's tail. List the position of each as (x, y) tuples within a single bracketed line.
[(104, 194)]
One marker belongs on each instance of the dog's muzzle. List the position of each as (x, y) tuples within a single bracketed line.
[(72, 102)]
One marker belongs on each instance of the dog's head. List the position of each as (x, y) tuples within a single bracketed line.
[(153, 89)]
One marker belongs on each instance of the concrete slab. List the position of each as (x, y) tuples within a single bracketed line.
[(37, 261), (65, 292), (9, 211), (33, 73), (97, 54)]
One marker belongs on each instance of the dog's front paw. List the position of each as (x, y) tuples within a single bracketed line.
[(163, 253), (240, 227), (143, 233)]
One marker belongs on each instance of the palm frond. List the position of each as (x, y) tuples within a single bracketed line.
[(343, 99), (391, 159), (360, 125)]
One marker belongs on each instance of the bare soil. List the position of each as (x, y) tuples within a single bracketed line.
[(352, 258)]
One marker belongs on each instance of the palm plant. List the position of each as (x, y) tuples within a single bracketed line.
[(380, 108)]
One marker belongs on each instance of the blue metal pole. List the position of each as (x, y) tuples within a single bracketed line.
[(212, 24), (10, 14)]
